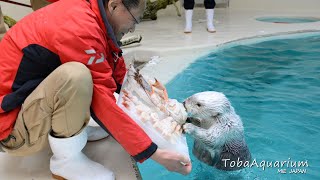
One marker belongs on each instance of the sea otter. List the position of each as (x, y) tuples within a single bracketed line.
[(217, 130)]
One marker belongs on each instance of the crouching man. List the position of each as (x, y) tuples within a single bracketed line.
[(59, 65)]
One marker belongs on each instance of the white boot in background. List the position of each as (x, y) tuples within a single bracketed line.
[(96, 133), (188, 27), (210, 26), (68, 162)]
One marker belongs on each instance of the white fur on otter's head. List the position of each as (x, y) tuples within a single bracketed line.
[(211, 107)]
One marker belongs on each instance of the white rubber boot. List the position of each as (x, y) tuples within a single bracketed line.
[(210, 26), (68, 162), (188, 27), (96, 133)]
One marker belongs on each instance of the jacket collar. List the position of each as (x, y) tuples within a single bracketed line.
[(98, 8)]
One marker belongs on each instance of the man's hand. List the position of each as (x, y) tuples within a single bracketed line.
[(172, 161)]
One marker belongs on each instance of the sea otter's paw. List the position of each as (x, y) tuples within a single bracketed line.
[(188, 128)]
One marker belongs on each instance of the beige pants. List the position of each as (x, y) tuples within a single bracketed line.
[(2, 27), (37, 4), (60, 105)]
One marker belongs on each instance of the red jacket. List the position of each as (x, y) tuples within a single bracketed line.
[(72, 30)]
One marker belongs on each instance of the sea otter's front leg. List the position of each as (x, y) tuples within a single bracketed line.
[(207, 136), (195, 131)]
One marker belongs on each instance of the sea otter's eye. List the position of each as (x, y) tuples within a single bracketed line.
[(198, 104), (216, 115)]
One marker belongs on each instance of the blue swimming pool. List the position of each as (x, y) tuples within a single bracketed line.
[(275, 87)]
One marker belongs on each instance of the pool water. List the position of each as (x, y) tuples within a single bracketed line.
[(288, 20), (275, 88)]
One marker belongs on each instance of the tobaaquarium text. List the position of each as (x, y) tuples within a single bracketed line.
[(267, 164)]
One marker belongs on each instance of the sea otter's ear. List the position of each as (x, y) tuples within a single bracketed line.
[(227, 106)]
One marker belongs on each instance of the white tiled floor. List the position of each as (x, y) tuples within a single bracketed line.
[(164, 38)]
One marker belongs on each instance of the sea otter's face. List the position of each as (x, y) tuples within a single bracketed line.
[(206, 106)]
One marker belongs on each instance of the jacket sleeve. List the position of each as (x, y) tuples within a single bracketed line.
[(89, 48)]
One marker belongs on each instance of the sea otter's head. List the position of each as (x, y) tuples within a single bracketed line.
[(207, 107)]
